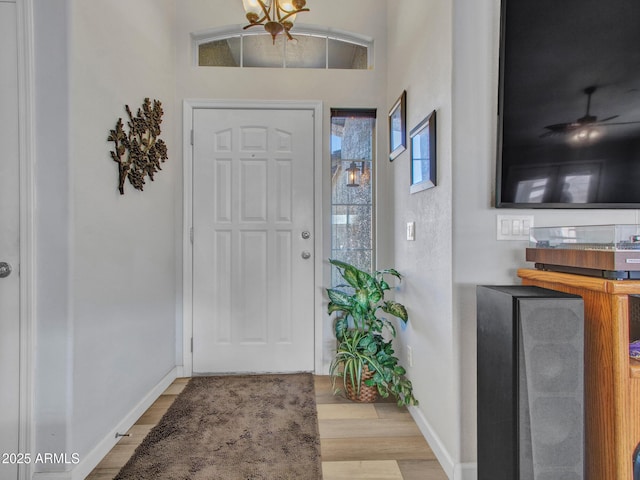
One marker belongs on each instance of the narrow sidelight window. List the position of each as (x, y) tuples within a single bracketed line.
[(352, 174)]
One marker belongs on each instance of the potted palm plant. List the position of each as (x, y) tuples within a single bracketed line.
[(364, 358)]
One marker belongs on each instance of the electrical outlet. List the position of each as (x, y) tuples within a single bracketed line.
[(409, 356)]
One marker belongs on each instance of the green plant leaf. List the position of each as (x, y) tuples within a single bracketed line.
[(359, 315), (341, 327), (348, 272), (371, 285), (390, 271), (365, 341), (338, 263), (339, 297), (386, 323), (363, 299), (332, 307), (396, 309), (375, 295)]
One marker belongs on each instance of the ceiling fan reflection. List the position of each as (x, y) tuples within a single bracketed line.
[(582, 125)]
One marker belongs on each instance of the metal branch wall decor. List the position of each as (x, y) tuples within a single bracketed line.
[(140, 152)]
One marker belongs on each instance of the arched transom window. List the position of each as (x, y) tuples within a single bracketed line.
[(312, 47)]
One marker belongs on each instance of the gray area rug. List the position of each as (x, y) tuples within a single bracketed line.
[(256, 427)]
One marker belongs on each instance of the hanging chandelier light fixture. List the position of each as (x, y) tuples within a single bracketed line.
[(277, 16)]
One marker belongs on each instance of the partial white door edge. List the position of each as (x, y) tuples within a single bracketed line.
[(187, 251), (26, 269)]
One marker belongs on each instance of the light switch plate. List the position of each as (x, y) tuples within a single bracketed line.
[(514, 227), (411, 231)]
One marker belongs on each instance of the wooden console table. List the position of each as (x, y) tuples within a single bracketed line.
[(611, 378)]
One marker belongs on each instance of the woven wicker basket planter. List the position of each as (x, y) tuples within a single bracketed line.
[(367, 394)]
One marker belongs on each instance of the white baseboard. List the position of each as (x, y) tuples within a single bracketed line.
[(95, 456), (454, 471), (51, 476), (432, 438), (466, 471)]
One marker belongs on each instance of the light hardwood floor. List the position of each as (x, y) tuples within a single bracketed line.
[(359, 441)]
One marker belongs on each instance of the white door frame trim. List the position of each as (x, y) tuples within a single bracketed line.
[(187, 251), (26, 269)]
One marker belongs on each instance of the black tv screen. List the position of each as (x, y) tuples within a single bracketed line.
[(569, 104)]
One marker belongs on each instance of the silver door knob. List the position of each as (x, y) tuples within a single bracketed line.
[(5, 269), (306, 235), (306, 255)]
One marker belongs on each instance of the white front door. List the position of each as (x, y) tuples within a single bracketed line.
[(253, 239), (9, 242)]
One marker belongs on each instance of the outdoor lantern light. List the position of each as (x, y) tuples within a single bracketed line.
[(353, 175)]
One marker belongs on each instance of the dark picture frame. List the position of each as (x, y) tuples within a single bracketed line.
[(423, 154), (398, 127)]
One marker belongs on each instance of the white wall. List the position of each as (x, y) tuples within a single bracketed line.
[(335, 88), (420, 61), (123, 269), (52, 376), (478, 258), (106, 262)]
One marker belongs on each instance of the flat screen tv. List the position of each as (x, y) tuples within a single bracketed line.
[(569, 104)]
